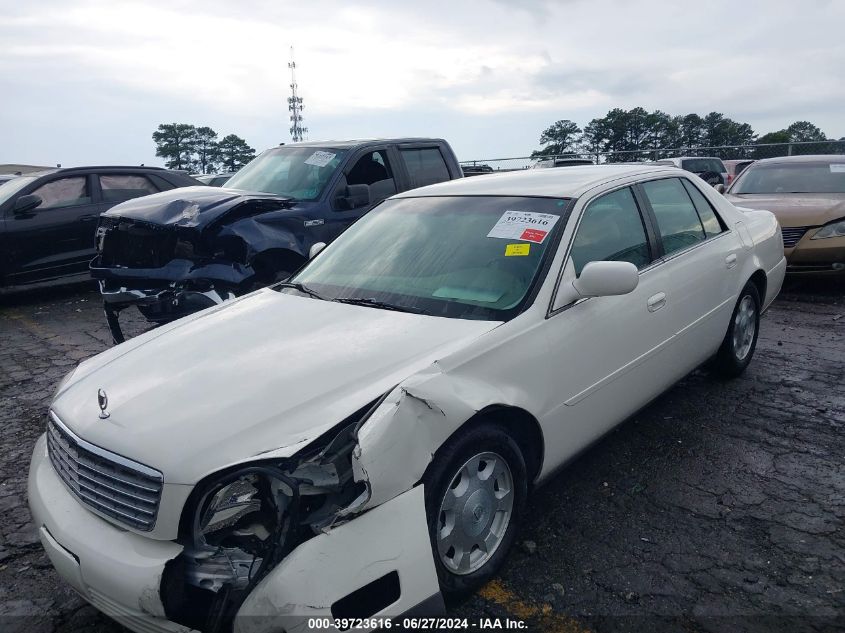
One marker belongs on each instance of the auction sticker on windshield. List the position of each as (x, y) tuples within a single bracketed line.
[(837, 168), (524, 225), (319, 158)]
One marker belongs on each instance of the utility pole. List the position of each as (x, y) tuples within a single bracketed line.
[(295, 107)]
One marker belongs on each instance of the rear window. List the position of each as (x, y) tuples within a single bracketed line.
[(792, 178), (701, 165), (425, 166)]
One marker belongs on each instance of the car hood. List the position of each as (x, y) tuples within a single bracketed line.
[(795, 209), (194, 207), (268, 372)]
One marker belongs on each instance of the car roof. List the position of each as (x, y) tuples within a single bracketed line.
[(553, 183), (56, 170), (808, 158), (362, 141)]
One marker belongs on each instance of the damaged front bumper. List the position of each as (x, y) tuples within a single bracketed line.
[(377, 565), (164, 294)]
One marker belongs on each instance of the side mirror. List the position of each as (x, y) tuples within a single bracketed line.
[(27, 203), (316, 249), (603, 279), (357, 196), (720, 188)]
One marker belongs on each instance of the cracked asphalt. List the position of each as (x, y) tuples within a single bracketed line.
[(720, 507)]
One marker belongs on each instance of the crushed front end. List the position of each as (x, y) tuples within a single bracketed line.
[(260, 547), (178, 253)]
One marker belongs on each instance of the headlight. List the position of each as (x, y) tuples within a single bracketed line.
[(834, 229)]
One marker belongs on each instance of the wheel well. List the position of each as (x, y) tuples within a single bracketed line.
[(759, 280), (522, 427), (267, 263)]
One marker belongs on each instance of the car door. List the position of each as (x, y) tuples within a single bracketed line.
[(700, 262), (609, 353), (57, 237)]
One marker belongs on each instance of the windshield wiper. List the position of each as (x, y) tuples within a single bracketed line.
[(298, 285), (375, 303)]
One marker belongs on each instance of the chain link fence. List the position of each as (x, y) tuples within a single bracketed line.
[(747, 152)]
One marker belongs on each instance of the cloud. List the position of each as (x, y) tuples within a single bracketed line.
[(104, 71)]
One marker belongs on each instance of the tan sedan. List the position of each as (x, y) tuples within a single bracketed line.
[(807, 194)]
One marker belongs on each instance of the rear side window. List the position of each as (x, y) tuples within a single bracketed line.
[(709, 219), (125, 186), (425, 166), (64, 192), (701, 165), (611, 229), (677, 219)]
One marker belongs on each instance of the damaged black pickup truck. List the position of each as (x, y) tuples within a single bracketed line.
[(174, 253)]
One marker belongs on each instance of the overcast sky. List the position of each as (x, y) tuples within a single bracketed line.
[(87, 82)]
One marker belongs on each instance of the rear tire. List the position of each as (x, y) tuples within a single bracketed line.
[(741, 338), (475, 496)]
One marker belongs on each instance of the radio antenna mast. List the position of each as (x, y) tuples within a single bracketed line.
[(295, 106)]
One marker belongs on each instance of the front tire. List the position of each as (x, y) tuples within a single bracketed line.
[(741, 338), (475, 493)]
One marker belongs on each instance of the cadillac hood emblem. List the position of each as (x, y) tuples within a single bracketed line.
[(103, 401)]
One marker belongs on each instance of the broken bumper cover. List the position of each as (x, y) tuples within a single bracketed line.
[(167, 293), (120, 572)]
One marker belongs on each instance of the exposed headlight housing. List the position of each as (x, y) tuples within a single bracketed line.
[(834, 229), (239, 524)]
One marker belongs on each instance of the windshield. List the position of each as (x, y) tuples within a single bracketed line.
[(461, 257), (11, 187), (792, 178), (293, 172)]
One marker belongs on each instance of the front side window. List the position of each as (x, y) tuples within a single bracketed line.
[(11, 187), (803, 177), (125, 186), (300, 173), (677, 219), (425, 166), (474, 257), (611, 229), (373, 169), (64, 192)]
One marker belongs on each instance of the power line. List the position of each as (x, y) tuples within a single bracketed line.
[(295, 105)]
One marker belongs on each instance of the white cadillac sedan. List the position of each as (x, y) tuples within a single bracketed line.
[(359, 442)]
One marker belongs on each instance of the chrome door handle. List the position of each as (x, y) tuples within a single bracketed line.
[(730, 260), (655, 302)]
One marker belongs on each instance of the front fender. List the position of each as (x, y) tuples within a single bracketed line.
[(398, 441)]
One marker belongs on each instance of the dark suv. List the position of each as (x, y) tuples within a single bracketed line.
[(178, 252), (48, 218)]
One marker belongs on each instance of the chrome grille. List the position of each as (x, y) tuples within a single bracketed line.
[(793, 234), (112, 485)]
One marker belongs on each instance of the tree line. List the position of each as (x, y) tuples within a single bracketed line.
[(196, 149), (629, 135)]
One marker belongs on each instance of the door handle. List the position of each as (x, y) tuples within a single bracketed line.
[(655, 302), (730, 260), (88, 218)]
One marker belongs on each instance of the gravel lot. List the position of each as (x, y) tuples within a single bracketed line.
[(720, 507)]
